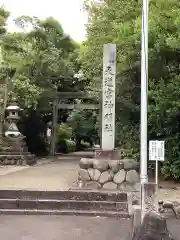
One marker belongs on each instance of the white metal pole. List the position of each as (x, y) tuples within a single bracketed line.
[(157, 172), (144, 104), (144, 92)]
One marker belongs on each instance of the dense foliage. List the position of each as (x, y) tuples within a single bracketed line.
[(35, 65), (120, 22)]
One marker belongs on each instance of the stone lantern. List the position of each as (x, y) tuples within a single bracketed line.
[(12, 119), (14, 150)]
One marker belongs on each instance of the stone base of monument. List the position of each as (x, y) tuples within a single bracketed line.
[(109, 174), (110, 155)]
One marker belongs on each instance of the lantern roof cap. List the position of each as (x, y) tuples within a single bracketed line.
[(13, 107)]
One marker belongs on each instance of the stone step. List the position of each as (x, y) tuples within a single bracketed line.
[(64, 212), (14, 153), (24, 149), (85, 195), (43, 204), (19, 159)]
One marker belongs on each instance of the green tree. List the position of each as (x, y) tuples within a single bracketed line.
[(3, 79), (40, 58), (37, 63), (84, 126), (120, 22)]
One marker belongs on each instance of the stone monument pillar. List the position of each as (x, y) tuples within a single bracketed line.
[(107, 170), (108, 150)]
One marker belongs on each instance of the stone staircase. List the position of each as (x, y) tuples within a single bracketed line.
[(87, 203)]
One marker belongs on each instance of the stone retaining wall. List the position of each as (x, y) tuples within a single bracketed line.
[(111, 174), (18, 159)]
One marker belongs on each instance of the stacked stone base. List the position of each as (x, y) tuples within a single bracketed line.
[(15, 152), (110, 155), (109, 174), (17, 159)]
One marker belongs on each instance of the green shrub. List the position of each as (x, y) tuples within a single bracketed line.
[(63, 140), (61, 146), (85, 145), (171, 166), (71, 146), (63, 131), (66, 146), (131, 154)]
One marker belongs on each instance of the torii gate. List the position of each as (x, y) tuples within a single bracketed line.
[(58, 104)]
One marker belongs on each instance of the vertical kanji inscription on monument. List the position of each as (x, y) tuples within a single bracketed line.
[(108, 97)]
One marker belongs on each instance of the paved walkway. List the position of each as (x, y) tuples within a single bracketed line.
[(173, 226), (58, 173), (7, 169), (54, 175), (69, 228), (63, 228)]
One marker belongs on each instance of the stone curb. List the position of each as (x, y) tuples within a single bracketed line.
[(109, 214)]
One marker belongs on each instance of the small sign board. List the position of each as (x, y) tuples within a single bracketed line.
[(156, 153), (156, 150)]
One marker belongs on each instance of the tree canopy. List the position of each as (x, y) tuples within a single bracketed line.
[(120, 22), (36, 63)]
